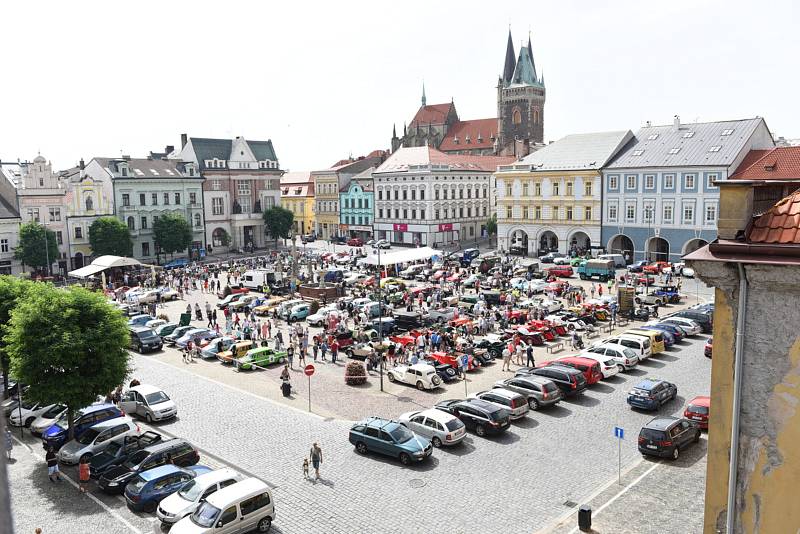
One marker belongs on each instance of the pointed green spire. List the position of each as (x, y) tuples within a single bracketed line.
[(510, 64), (424, 100)]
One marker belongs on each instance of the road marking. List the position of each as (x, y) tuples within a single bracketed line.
[(621, 493), (103, 505)]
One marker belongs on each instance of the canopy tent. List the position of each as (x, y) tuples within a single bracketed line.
[(401, 256), (104, 263)]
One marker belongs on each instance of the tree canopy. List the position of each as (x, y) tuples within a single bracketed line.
[(70, 345), (491, 225), (172, 233), (32, 250), (12, 291), (278, 222), (109, 235)]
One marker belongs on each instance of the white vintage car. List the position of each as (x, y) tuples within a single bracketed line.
[(421, 375)]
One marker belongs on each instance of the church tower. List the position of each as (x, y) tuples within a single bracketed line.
[(520, 103)]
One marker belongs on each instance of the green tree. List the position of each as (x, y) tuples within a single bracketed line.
[(491, 225), (278, 222), (32, 250), (70, 345), (109, 235), (172, 233), (225, 238), (12, 291)]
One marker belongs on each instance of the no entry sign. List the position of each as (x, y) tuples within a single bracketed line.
[(309, 370)]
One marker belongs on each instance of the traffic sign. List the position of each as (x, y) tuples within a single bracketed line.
[(309, 370), (464, 361), (619, 432)]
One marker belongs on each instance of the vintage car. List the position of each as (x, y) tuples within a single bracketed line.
[(421, 375), (517, 316), (453, 360), (269, 305), (561, 271), (261, 357), (235, 351), (656, 267), (492, 344), (544, 328), (529, 337), (667, 293), (228, 290)]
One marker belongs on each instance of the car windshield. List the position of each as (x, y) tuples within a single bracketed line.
[(205, 515), (62, 421), (156, 398), (54, 411), (136, 485), (628, 353), (88, 436), (135, 459), (147, 335), (28, 404), (653, 435), (454, 424), (190, 491), (401, 434), (698, 409)]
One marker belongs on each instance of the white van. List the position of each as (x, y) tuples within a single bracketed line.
[(618, 259), (241, 507), (639, 344), (412, 271), (257, 278)]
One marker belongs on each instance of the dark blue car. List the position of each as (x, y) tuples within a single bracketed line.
[(56, 435), (650, 394), (147, 489), (638, 266), (669, 338)]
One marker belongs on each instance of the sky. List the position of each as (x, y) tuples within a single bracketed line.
[(324, 80)]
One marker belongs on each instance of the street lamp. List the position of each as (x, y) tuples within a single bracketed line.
[(648, 213), (380, 317)]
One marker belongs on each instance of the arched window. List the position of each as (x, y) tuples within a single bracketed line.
[(197, 221), (536, 116), (131, 223), (516, 116), (89, 203)]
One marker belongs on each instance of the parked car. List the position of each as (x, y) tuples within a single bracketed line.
[(242, 303), (440, 427), (626, 358), (145, 339), (382, 244), (155, 323), (608, 365), (259, 356), (215, 346), (84, 419), (692, 328), (246, 505), (96, 439), (514, 403), (188, 498), (389, 438), (538, 390), (639, 344), (421, 375), (561, 271), (47, 419), (149, 403), (704, 319), (677, 332), (119, 450), (147, 489), (666, 436), (176, 334), (638, 266), (590, 368), (235, 351), (195, 335), (166, 329), (551, 256), (650, 394), (478, 415), (26, 414), (230, 299), (176, 451), (355, 242), (708, 347), (569, 380), (321, 316), (698, 410), (140, 320)]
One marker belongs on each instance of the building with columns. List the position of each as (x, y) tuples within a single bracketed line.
[(551, 199), (424, 197), (241, 180)]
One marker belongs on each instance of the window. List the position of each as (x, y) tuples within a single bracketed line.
[(484, 211), (55, 214), (245, 204), (649, 181), (688, 135), (33, 214), (436, 194), (421, 215), (216, 185), (485, 192), (145, 249), (155, 219), (711, 213), (516, 116), (630, 182), (396, 194), (710, 178), (217, 208), (143, 224), (569, 189), (537, 189), (126, 200), (525, 189), (537, 212), (555, 189), (405, 194), (142, 199), (587, 189), (413, 215), (177, 198), (587, 213), (436, 214), (612, 182), (638, 152), (131, 224), (166, 199), (630, 212), (405, 214), (243, 188), (59, 237), (509, 212), (688, 181), (461, 212), (674, 150), (154, 199), (228, 515), (667, 217), (380, 214), (612, 212), (727, 131), (554, 213), (197, 220), (715, 148), (421, 196), (4, 245), (78, 232), (508, 190), (252, 504), (652, 137), (688, 214), (669, 181), (525, 212), (568, 213)]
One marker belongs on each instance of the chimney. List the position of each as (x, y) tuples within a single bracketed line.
[(676, 124), (169, 149), (184, 140), (81, 164), (126, 157)]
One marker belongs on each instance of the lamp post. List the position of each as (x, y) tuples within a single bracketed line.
[(648, 213), (380, 318)]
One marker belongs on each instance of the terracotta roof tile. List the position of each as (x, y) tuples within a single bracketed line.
[(788, 235), (433, 114), (758, 235), (780, 224), (779, 163), (480, 133)]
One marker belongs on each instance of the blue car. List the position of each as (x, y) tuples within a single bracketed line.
[(638, 266), (389, 438), (140, 320), (669, 338), (147, 489), (56, 435), (677, 332), (174, 264), (650, 394)]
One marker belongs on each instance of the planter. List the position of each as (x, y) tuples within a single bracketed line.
[(355, 374)]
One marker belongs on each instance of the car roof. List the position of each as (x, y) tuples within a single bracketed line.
[(533, 378), (437, 415), (112, 422), (140, 329), (217, 475), (507, 393), (160, 471), (379, 422), (145, 389), (482, 404), (164, 445), (661, 422), (701, 400), (648, 383), (96, 408), (576, 359), (422, 367)]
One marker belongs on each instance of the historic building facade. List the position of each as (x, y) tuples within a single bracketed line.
[(660, 200), (9, 223), (88, 198), (357, 204), (426, 197), (297, 196), (241, 180), (551, 199)]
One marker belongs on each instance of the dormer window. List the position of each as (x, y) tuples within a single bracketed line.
[(480, 138), (468, 139), (123, 169)]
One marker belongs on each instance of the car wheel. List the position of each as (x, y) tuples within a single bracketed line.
[(265, 524), (533, 404), (86, 457), (405, 459), (28, 422), (150, 507), (480, 430), (148, 418), (675, 453), (450, 372), (391, 378), (696, 437), (621, 368), (637, 300), (420, 385), (282, 360)]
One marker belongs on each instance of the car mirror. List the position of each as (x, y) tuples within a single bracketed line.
[(220, 524)]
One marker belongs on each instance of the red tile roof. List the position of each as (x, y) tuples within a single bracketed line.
[(779, 163), (434, 114), (779, 225), (485, 129), (460, 161)]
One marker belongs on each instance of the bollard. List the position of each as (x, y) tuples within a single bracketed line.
[(585, 518)]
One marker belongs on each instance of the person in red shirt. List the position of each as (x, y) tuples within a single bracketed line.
[(334, 350)]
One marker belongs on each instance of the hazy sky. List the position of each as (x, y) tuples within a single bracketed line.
[(326, 79)]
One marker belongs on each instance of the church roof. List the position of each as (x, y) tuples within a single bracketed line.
[(525, 72), (434, 114), (407, 157), (510, 62), (474, 134)]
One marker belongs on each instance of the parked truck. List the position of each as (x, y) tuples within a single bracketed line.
[(258, 278), (602, 269)]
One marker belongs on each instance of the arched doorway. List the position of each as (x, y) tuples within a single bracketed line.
[(692, 245), (621, 244), (78, 260), (579, 243), (218, 237), (518, 242), (548, 242), (657, 249)]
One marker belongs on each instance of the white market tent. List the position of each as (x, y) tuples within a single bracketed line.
[(104, 263), (401, 256)]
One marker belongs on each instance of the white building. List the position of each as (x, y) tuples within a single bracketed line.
[(425, 197), (9, 224)]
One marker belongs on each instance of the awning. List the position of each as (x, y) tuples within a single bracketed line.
[(102, 263), (86, 272), (401, 256)]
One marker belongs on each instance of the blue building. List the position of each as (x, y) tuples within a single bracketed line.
[(357, 205), (659, 197)]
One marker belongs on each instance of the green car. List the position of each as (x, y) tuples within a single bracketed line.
[(261, 356), (576, 261)]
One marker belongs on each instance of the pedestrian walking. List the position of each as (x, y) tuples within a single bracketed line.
[(316, 458), (529, 351), (52, 465), (83, 473), (506, 359), (290, 354), (302, 359)]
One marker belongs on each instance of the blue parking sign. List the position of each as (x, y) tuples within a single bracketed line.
[(464, 361), (619, 432)]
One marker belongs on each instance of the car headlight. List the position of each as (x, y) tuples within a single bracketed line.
[(113, 484)]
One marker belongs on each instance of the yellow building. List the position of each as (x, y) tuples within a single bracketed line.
[(551, 200), (297, 196), (754, 428)]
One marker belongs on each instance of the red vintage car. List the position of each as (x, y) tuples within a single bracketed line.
[(403, 340), (233, 291), (438, 275), (355, 242), (589, 367), (460, 321), (456, 277), (529, 337), (544, 328), (557, 287), (561, 271), (452, 360), (344, 339), (517, 316), (656, 267)]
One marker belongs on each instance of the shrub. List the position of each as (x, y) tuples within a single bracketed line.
[(355, 374), (314, 307)]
